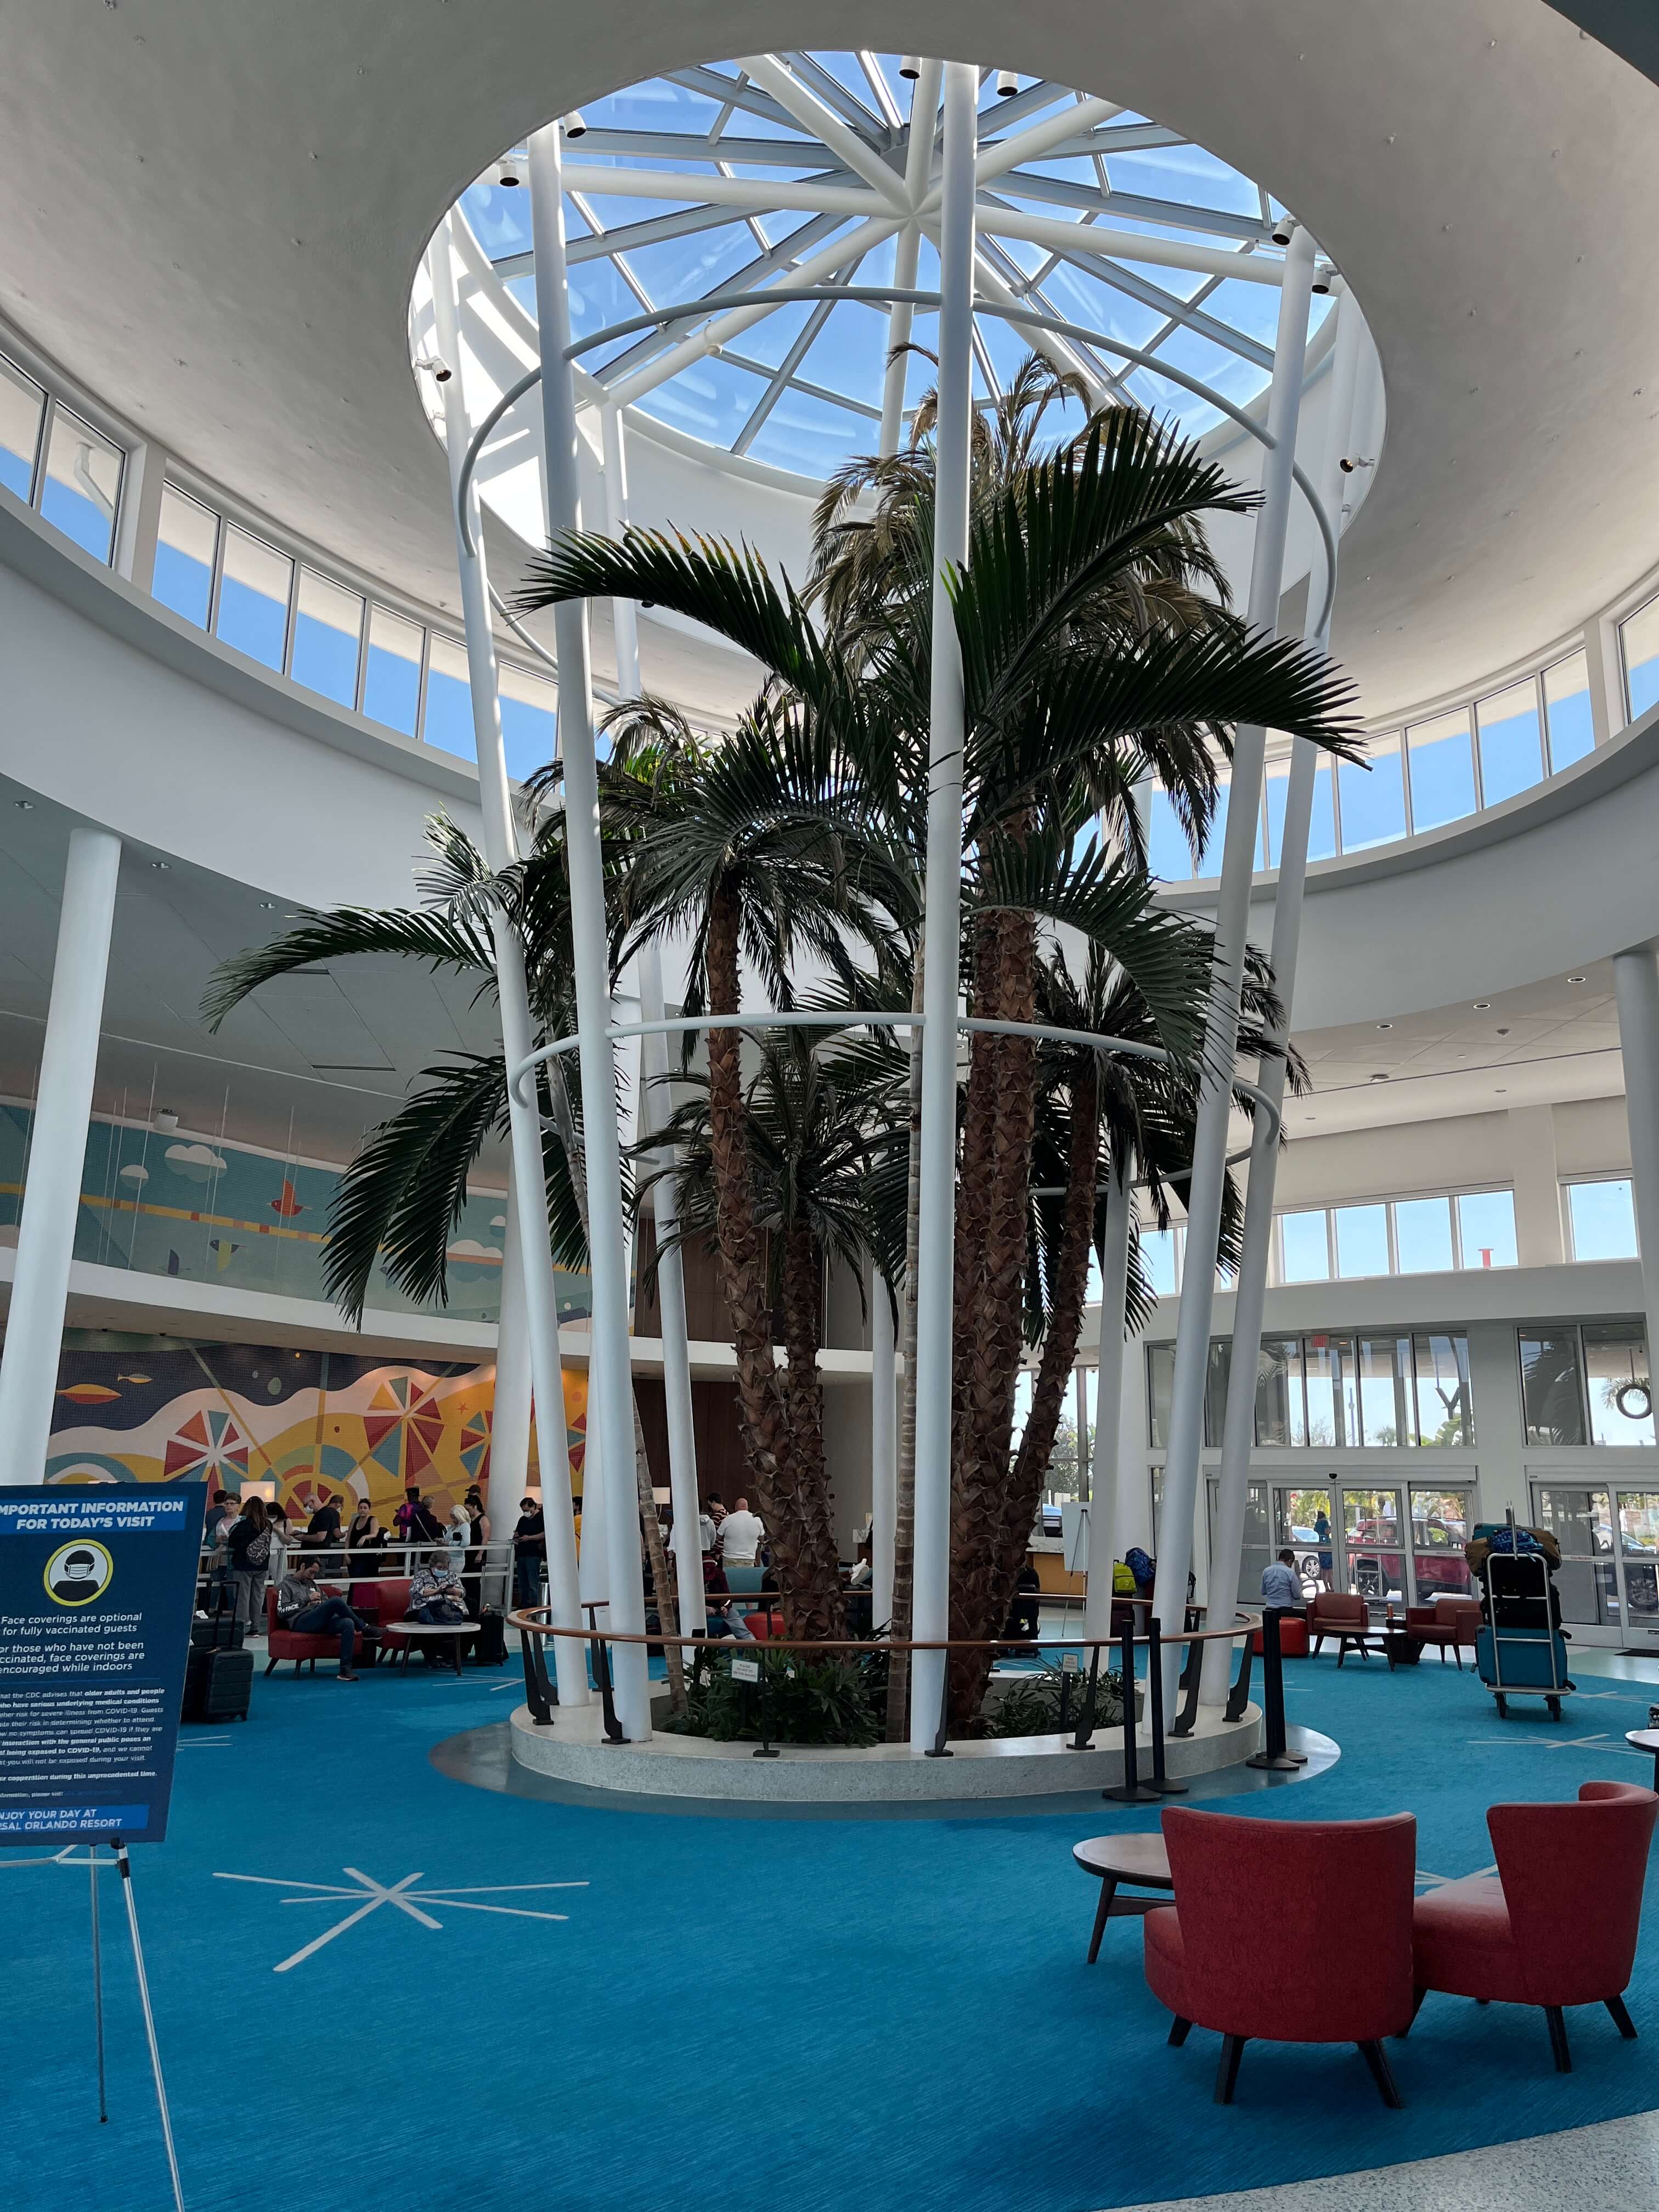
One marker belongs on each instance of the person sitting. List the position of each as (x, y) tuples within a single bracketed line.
[(435, 1595), (1281, 1585), (311, 1608)]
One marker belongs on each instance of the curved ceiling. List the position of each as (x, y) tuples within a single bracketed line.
[(214, 215)]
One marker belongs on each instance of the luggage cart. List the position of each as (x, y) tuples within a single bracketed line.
[(1520, 1650)]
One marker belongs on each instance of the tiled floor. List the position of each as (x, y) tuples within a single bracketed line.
[(1614, 2166)]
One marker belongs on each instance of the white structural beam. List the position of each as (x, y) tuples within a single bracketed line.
[(1238, 1428), (610, 1406), (817, 268), (900, 319), (58, 1151), (941, 928), (924, 130), (1183, 1459), (1636, 993), (815, 115), (1107, 1474), (884, 1449), (707, 187), (1038, 140), (509, 1420), (517, 1037), (655, 1103)]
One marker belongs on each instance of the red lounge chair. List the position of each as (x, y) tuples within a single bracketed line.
[(1340, 1614), (1450, 1623), (1226, 1958), (1557, 1924)]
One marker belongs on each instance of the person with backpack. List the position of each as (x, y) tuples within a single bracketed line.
[(248, 1552)]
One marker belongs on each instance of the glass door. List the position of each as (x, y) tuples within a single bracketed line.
[(1580, 1518), (1254, 1554), (1305, 1523), (1440, 1520), (1374, 1546), (1638, 1556)]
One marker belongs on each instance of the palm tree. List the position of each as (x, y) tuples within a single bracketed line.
[(1077, 686)]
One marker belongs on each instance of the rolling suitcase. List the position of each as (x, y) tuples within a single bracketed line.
[(221, 1630), (490, 1645), (218, 1685)]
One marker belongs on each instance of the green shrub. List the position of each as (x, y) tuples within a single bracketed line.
[(1030, 1703), (832, 1702)]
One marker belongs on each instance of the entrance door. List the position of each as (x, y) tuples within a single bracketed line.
[(1304, 1521), (1373, 1524)]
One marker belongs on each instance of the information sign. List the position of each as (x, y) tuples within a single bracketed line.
[(97, 1593)]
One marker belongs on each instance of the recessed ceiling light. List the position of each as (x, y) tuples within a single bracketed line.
[(1385, 1025), (163, 867), (1483, 1005), (1577, 979), (1379, 1077), (24, 805)]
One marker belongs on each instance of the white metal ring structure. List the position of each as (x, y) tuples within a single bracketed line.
[(890, 296), (848, 1018)]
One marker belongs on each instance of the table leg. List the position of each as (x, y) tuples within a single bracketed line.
[(1103, 1913)]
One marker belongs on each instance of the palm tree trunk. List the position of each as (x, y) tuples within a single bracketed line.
[(802, 1328), (763, 1411), (991, 1256), (662, 1580), (905, 1484), (1023, 1488)]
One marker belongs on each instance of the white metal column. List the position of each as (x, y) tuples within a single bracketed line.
[(930, 1608), (900, 318), (654, 1104), (884, 1449), (509, 1420), (610, 1405), (1107, 1471), (517, 1036), (58, 1151), (1183, 1459), (1238, 1428), (1636, 990)]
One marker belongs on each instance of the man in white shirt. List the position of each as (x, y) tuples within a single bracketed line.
[(741, 1535)]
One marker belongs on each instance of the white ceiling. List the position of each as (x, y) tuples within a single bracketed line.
[(213, 215), (308, 1065), (1553, 1041)]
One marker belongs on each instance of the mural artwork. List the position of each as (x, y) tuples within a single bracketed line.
[(292, 1424)]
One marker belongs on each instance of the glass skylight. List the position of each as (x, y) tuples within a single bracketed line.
[(799, 168)]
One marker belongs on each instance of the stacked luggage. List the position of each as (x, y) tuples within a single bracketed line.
[(218, 1673), (1521, 1650)]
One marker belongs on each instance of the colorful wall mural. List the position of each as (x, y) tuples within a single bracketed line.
[(208, 1211), (296, 1424)]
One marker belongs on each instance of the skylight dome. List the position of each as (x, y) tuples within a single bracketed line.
[(823, 167)]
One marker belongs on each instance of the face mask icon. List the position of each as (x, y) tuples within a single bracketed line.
[(79, 1573)]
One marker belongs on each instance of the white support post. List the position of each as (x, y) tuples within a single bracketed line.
[(901, 316), (1636, 993), (139, 526), (1107, 1474), (930, 1610), (1181, 1460), (51, 1195), (610, 1405), (655, 1102), (1238, 1428), (513, 993), (884, 1449), (509, 1421)]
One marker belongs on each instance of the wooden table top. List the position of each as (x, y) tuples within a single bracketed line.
[(1130, 1858)]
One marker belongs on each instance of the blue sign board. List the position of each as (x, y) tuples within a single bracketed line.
[(97, 1593)]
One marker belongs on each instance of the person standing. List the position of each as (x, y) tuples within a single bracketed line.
[(742, 1534), (365, 1541), (323, 1529), (529, 1551), (276, 1521), (708, 1524), (477, 1538), (248, 1550), (1281, 1586)]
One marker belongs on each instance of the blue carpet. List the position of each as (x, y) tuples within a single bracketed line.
[(822, 2015)]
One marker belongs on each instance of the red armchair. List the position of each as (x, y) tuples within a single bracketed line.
[(1224, 1957), (384, 1603), (1450, 1623), (1557, 1924), (1341, 1615)]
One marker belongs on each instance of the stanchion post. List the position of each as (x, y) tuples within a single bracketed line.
[(97, 1986), (1129, 1791), (1273, 1756), (766, 1750), (1160, 1782)]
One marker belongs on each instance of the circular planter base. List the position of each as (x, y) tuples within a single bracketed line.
[(573, 1749)]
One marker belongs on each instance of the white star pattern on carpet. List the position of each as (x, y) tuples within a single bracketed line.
[(367, 1896)]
